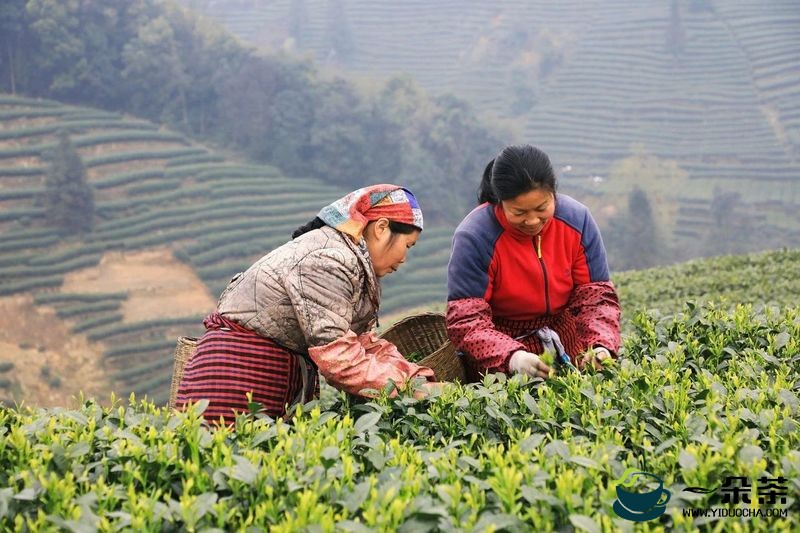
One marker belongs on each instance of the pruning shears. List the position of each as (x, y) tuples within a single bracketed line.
[(551, 342)]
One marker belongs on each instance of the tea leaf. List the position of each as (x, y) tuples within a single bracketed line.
[(687, 460), (367, 422), (584, 522)]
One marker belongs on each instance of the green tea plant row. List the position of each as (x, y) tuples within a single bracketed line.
[(20, 193), (162, 367), (112, 209), (22, 171), (172, 154), (116, 180), (122, 350), (72, 127), (181, 216), (696, 397), (21, 234), (87, 308), (36, 150), (72, 298), (112, 330), (23, 257), (198, 157), (13, 114), (30, 285), (417, 296), (21, 213), (762, 278), (26, 271), (97, 323)]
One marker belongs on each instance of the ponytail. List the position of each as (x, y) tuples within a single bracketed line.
[(305, 228), (485, 190)]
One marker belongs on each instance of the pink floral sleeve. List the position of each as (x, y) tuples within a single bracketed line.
[(596, 312), (355, 362), (470, 328)]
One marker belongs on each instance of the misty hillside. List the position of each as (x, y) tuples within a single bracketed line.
[(100, 311), (695, 101), (110, 302), (162, 246), (97, 295)]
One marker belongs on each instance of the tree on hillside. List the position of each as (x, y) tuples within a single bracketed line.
[(207, 54), (154, 69), (160, 62), (288, 144), (697, 6), (445, 146), (338, 33), (67, 199), (298, 23), (645, 249), (676, 36), (351, 139), (12, 28), (249, 126), (733, 225), (523, 94), (75, 48), (632, 238)]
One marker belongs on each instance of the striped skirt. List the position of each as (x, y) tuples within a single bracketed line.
[(232, 361)]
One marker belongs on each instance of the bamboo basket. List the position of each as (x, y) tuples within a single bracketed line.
[(426, 335), (183, 352)]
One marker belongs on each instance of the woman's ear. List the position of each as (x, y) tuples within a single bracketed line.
[(381, 228)]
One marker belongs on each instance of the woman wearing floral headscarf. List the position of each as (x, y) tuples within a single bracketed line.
[(309, 306)]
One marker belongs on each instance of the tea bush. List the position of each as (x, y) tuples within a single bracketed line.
[(696, 397)]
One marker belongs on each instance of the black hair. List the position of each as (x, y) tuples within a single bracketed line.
[(316, 223), (516, 170), (313, 224), (402, 227)]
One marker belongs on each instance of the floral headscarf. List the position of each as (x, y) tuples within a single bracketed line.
[(351, 213)]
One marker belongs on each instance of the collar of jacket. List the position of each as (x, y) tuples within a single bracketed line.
[(370, 279), (500, 214)]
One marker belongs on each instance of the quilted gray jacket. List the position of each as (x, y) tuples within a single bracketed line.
[(308, 292)]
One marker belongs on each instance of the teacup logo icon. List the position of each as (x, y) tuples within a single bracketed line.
[(637, 502)]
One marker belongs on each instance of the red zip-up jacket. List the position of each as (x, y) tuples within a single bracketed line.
[(497, 273)]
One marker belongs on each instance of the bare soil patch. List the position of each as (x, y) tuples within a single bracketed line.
[(51, 365), (158, 285)]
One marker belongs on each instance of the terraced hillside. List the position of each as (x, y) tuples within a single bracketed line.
[(711, 86), (101, 313), (173, 222)]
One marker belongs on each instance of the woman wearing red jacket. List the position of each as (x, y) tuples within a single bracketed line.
[(528, 258)]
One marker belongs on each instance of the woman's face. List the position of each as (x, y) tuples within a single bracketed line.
[(530, 211), (387, 250)]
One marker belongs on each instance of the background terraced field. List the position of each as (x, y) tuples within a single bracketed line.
[(175, 222), (105, 310), (698, 106), (713, 87)]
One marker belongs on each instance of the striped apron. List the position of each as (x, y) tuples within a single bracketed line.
[(232, 361)]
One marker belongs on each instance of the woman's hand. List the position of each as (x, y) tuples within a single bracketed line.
[(523, 362), (595, 356)]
